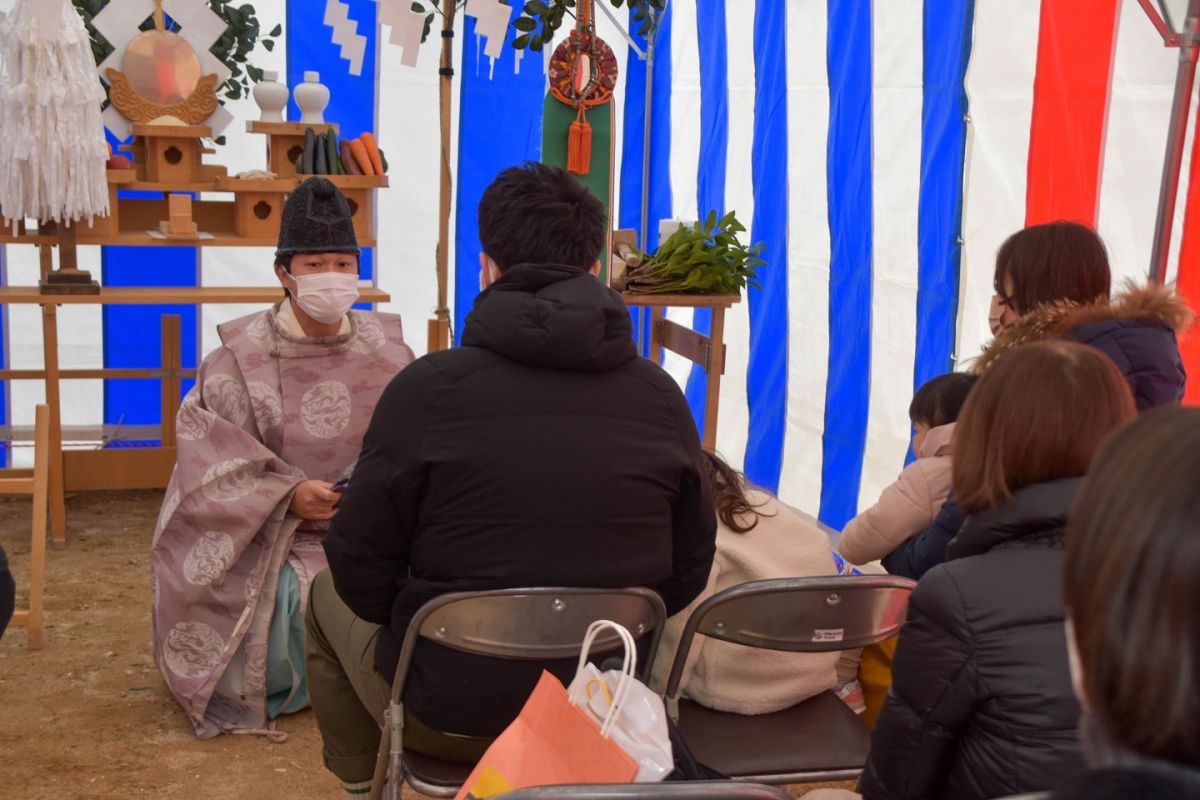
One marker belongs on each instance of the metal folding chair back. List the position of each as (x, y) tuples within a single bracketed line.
[(533, 624), (675, 790), (800, 615)]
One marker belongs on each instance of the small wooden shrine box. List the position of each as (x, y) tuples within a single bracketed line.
[(172, 152)]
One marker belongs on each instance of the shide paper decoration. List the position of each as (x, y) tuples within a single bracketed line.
[(345, 34)]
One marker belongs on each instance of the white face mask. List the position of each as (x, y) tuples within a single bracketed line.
[(326, 296)]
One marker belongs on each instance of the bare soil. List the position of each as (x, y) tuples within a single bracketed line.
[(88, 716)]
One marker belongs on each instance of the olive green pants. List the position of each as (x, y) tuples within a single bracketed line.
[(349, 695)]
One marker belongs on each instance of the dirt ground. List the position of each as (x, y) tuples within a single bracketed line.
[(88, 716)]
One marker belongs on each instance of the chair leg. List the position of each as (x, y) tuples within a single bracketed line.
[(381, 761), (37, 550)]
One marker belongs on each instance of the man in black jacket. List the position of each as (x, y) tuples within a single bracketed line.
[(542, 452)]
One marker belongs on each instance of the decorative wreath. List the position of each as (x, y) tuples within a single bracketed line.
[(566, 83)]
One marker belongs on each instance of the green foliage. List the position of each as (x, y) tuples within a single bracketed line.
[(540, 19), (706, 258), (233, 48), (428, 8)]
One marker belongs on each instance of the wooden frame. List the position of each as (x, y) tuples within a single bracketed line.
[(707, 351), (141, 468), (35, 482)]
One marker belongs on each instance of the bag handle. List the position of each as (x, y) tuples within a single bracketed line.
[(628, 669)]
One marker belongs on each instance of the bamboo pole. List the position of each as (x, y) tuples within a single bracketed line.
[(439, 327)]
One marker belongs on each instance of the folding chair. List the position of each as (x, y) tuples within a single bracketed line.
[(540, 624), (34, 482), (674, 790), (820, 739)]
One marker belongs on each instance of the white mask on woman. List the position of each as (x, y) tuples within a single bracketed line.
[(326, 296)]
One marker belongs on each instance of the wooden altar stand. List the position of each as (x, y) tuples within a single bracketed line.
[(707, 351), (123, 468)]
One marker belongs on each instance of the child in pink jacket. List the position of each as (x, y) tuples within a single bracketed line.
[(909, 505)]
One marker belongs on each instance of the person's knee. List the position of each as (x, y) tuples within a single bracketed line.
[(318, 594)]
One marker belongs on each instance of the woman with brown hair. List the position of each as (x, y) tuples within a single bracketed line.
[(1131, 583), (1052, 282), (981, 703), (758, 537)]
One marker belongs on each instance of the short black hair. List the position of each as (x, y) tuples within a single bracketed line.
[(939, 401), (538, 214)]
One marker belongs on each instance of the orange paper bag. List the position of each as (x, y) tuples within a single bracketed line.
[(550, 742)]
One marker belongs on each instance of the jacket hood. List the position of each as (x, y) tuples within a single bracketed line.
[(938, 442), (1032, 510), (1149, 305), (552, 316)]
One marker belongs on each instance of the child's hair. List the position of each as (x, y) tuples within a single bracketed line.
[(939, 401), (729, 494)]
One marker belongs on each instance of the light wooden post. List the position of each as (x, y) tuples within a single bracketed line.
[(439, 327), (716, 368), (172, 363), (37, 485), (58, 510)]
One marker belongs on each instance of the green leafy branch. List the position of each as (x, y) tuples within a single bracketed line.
[(704, 258), (539, 20)]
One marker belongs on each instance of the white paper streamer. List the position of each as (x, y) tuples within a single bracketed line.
[(51, 137)]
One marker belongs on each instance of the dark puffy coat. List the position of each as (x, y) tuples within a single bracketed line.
[(918, 554), (543, 452), (1157, 781), (981, 704), (8, 591), (1137, 330)]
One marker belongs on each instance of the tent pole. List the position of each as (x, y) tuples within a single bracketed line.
[(1173, 162), (439, 328)]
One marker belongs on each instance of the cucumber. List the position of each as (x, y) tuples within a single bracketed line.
[(383, 159), (332, 162), (310, 155), (320, 164), (300, 164)]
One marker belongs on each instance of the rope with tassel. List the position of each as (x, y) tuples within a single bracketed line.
[(579, 139)]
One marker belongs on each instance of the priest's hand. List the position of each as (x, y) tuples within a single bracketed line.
[(314, 500)]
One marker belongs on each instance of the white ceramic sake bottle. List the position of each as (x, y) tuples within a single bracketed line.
[(271, 96), (312, 97)]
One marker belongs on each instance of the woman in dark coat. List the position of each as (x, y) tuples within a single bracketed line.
[(1131, 590), (1052, 281), (981, 704)]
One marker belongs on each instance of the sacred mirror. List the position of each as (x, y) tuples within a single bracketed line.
[(160, 76)]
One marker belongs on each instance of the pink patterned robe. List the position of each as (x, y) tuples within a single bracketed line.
[(267, 412)]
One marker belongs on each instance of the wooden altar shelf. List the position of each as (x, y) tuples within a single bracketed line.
[(167, 159), (122, 468), (707, 351)]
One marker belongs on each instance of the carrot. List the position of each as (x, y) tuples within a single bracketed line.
[(360, 155), (368, 140), (349, 164)]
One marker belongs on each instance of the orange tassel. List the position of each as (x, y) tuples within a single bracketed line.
[(579, 146)]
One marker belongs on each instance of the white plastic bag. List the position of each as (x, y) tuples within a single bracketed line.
[(624, 707)]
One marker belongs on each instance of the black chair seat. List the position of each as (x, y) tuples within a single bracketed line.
[(436, 771), (821, 734)]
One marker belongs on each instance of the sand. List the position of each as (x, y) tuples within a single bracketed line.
[(88, 716)]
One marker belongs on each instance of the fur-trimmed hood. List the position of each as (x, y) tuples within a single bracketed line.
[(1137, 329)]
